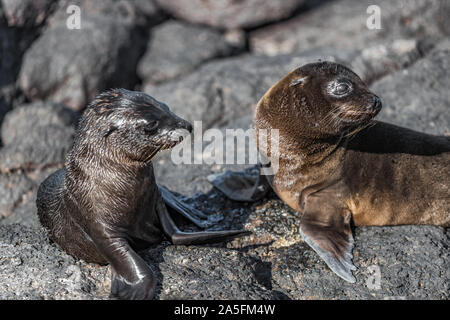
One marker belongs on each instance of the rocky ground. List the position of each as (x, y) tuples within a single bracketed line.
[(212, 61)]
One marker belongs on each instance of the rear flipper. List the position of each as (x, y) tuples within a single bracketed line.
[(179, 237), (189, 212), (240, 185), (325, 227)]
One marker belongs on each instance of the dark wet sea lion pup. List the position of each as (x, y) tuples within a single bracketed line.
[(105, 204), (337, 164)]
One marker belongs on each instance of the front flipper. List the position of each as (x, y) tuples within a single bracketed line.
[(325, 226), (189, 212), (240, 185), (132, 278), (179, 237)]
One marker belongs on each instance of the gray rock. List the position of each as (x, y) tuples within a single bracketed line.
[(36, 135), (24, 212), (418, 97), (176, 48), (140, 12), (205, 273), (231, 14), (72, 66), (147, 8), (27, 13), (378, 61), (342, 24), (47, 146), (19, 190), (14, 189), (33, 268), (412, 263), (33, 115)]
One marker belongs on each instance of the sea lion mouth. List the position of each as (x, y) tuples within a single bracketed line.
[(171, 143), (174, 137), (357, 115)]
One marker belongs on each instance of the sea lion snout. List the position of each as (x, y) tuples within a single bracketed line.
[(175, 129), (361, 112), (377, 105)]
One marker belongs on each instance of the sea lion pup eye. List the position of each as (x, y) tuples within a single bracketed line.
[(340, 88), (104, 203), (336, 164)]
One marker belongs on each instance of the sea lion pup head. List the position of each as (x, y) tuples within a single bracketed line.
[(318, 100), (128, 127)]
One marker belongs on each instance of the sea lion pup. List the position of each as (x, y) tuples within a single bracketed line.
[(337, 164), (105, 204)]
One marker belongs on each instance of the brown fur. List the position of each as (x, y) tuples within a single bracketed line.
[(387, 175), (336, 163)]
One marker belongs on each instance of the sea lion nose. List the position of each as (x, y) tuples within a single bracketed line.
[(185, 125), (376, 104)]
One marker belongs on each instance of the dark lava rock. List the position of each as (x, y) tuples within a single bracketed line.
[(342, 24), (27, 13), (35, 135), (412, 262), (33, 268), (20, 24), (176, 48), (205, 273), (72, 66), (230, 14), (13, 43), (418, 97)]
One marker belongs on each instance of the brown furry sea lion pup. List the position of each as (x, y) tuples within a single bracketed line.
[(336, 164), (105, 204)]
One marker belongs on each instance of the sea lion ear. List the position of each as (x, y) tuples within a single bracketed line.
[(298, 81)]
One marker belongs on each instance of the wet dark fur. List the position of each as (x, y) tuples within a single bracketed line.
[(105, 203)]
